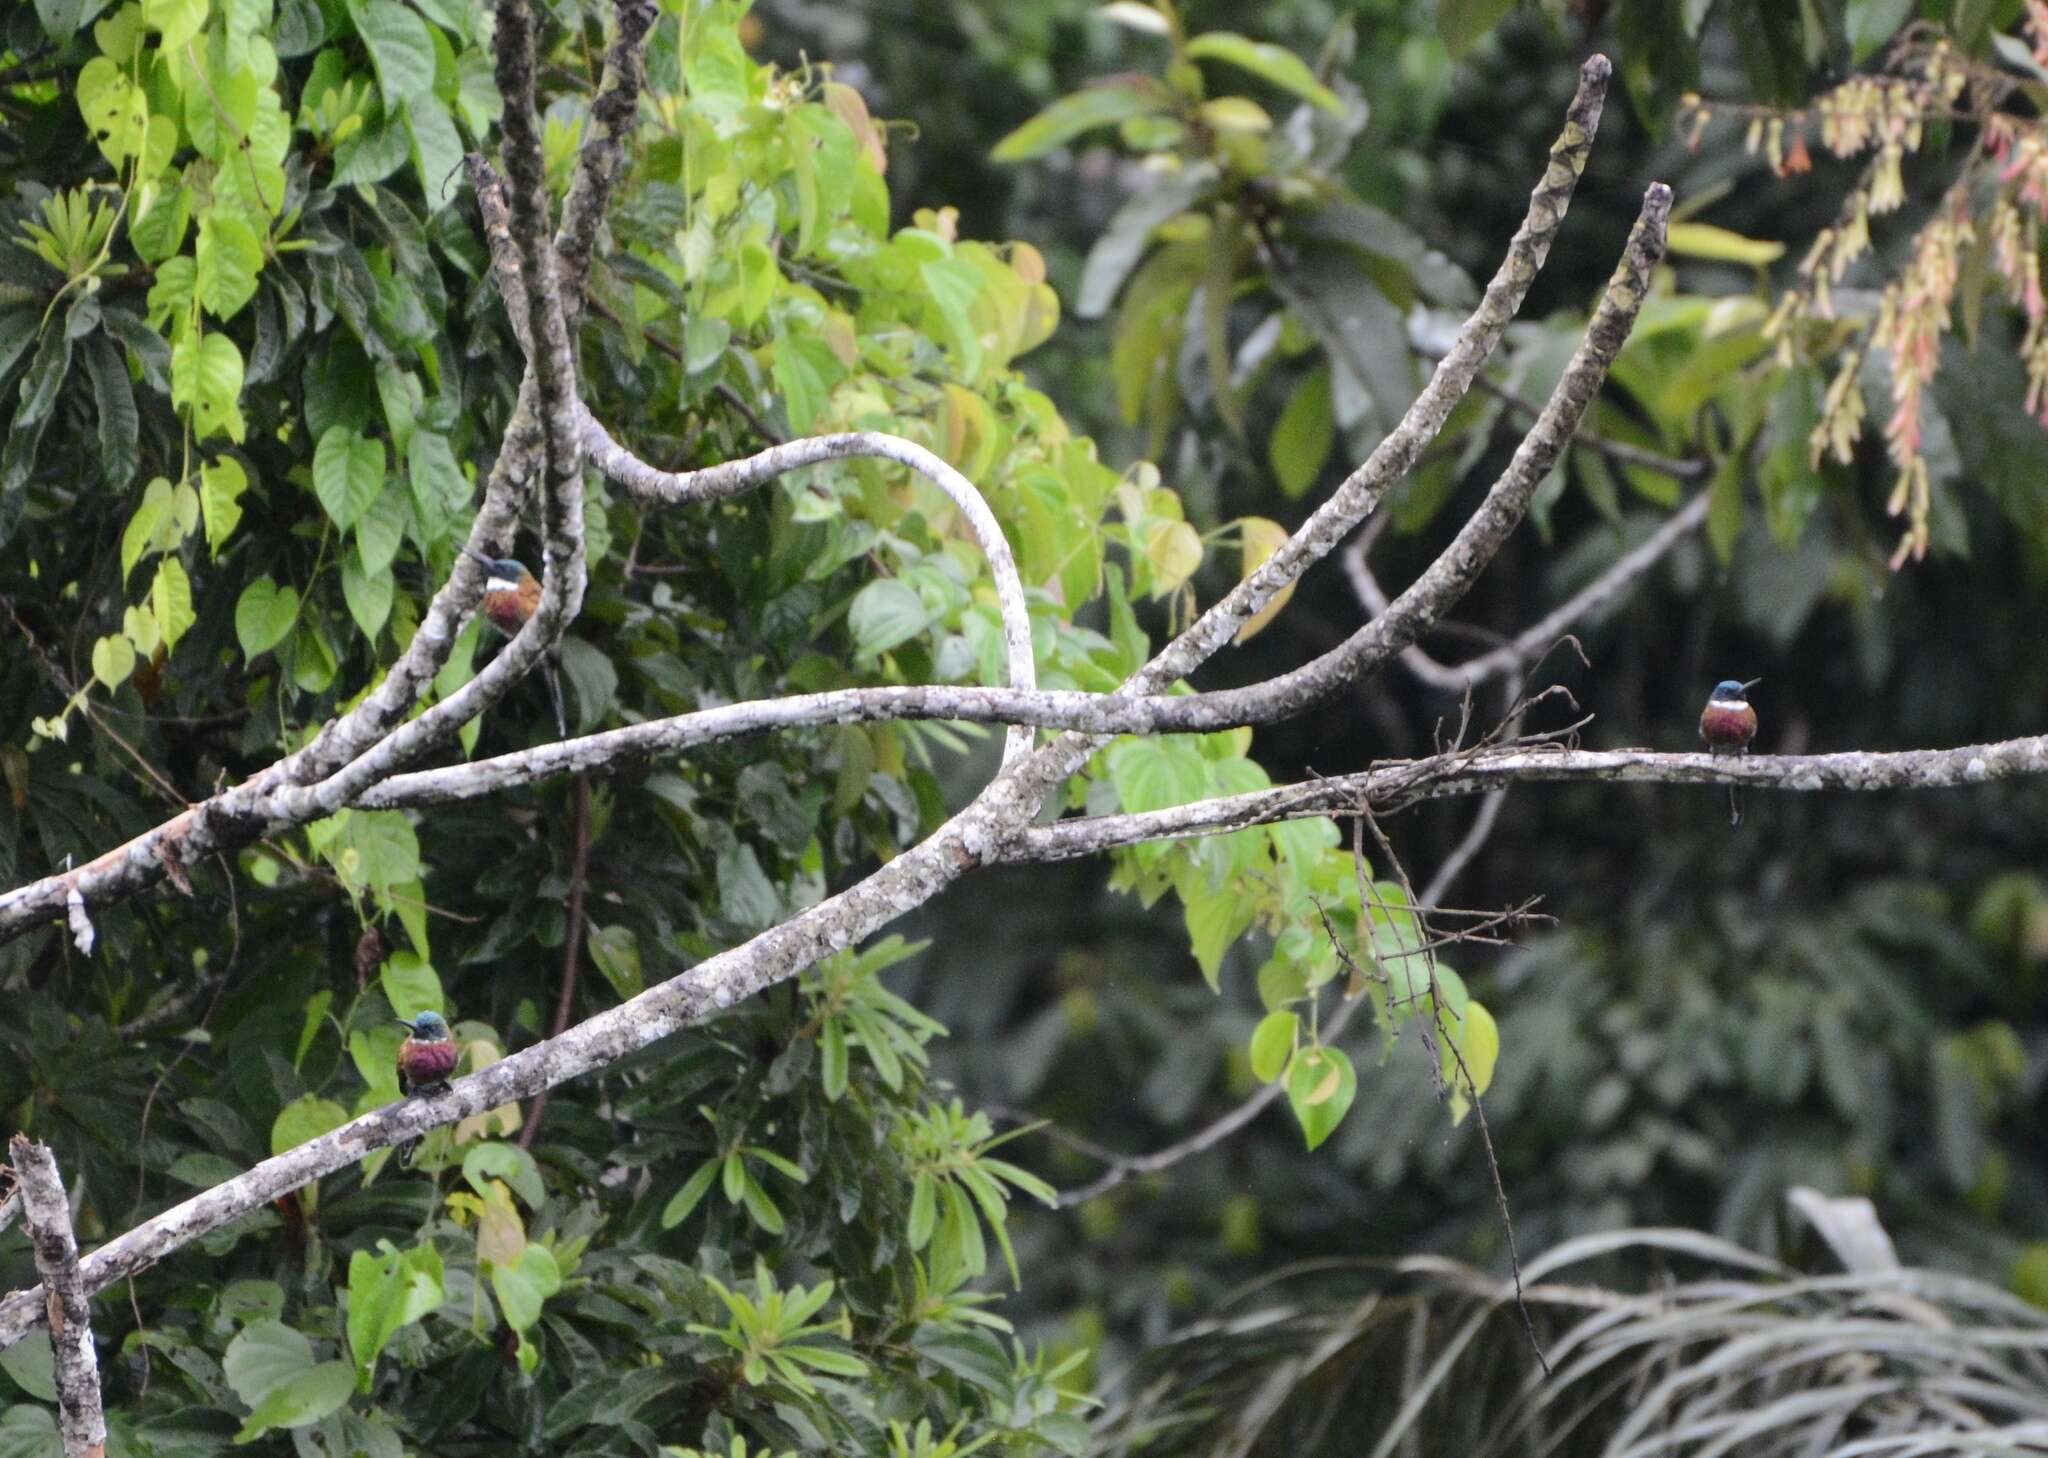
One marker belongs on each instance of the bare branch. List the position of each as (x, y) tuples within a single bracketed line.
[(655, 487), (602, 156), (77, 1363), (1395, 784), (1527, 646)]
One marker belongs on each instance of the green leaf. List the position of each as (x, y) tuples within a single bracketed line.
[(409, 982), (1320, 1087), (1216, 919), (221, 484), (160, 231), (27, 1431), (113, 399), (704, 342), (759, 1206), (1098, 106), (113, 660), (924, 1209), (832, 1065), (616, 950), (306, 1117), (1479, 1047), (439, 488), (1155, 774), (885, 613), (179, 20), (1273, 1044), (45, 379), (1129, 233), (826, 1359), (1269, 63), (368, 594), (805, 371), (678, 1209), (264, 614), (302, 1401), (170, 599), (1463, 23), (229, 256), (507, 1162), (955, 287), (1724, 508), (380, 530), (524, 1286), (1303, 434), (1870, 23), (387, 1292), (348, 473), (33, 1367), (60, 18), (152, 516), (400, 48), (593, 680), (206, 377), (436, 149), (264, 1356)]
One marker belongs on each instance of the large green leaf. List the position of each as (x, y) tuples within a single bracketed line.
[(1268, 62), (1097, 106), (401, 48), (264, 614), (1123, 242), (348, 473), (386, 1292), (1463, 23), (302, 1401)]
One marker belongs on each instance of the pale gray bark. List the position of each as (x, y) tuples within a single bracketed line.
[(47, 1217)]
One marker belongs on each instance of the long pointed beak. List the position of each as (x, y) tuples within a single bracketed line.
[(472, 553), (1751, 684), (406, 1025)]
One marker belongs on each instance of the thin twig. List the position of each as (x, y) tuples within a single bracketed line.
[(1500, 1193), (572, 945)]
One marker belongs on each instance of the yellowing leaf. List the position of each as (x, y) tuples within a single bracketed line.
[(1174, 550), (1479, 1046), (1262, 537), (1721, 245), (138, 626), (1235, 114)]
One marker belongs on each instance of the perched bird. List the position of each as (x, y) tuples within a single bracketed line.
[(1728, 724), (427, 1056), (510, 596)]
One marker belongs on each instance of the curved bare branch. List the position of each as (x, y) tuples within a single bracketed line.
[(1398, 783)]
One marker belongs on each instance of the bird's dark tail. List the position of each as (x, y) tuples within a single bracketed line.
[(554, 681), (1734, 805)]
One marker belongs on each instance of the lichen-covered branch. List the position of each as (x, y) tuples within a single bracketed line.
[(77, 1365), (603, 153), (1398, 783)]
